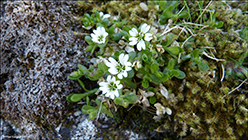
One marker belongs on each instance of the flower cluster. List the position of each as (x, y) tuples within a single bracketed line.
[(116, 68)]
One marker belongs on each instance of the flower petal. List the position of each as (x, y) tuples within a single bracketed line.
[(148, 36), (119, 86), (133, 40), (113, 61), (133, 32), (101, 14), (106, 16), (121, 58), (120, 76), (108, 78), (141, 45), (145, 28), (125, 74), (113, 70)]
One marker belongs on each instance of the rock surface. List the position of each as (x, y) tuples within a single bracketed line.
[(38, 51)]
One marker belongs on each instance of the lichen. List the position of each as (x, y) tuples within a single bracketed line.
[(38, 51)]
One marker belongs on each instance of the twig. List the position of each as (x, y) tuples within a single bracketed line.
[(180, 10), (223, 72), (204, 10), (237, 86), (212, 57), (179, 56)]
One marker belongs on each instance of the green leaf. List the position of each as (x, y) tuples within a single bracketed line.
[(181, 74), (185, 57), (125, 103), (244, 34), (68, 98), (82, 68), (92, 115), (123, 22), (74, 75), (85, 108), (97, 15), (171, 64), (105, 22), (219, 24), (106, 111), (102, 66), (77, 97), (118, 100), (125, 34), (87, 100), (197, 60), (174, 50), (88, 39), (152, 100), (116, 37), (170, 38), (90, 48), (154, 79), (110, 30), (129, 82), (87, 16), (132, 98), (154, 66), (126, 28), (158, 74), (145, 83), (145, 57), (98, 102), (196, 53), (131, 55), (203, 66), (165, 77), (174, 73), (130, 73), (183, 14), (82, 85), (167, 14)]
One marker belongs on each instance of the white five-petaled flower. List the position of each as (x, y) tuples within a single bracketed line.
[(99, 35), (120, 68), (138, 38), (103, 16), (110, 88)]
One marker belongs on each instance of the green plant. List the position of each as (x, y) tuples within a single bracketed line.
[(171, 67)]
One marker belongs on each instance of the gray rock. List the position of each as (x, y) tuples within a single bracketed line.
[(38, 52)]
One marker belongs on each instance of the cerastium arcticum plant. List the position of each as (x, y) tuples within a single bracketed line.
[(173, 65)]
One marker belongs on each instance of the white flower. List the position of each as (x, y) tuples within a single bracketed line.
[(103, 16), (120, 68), (110, 88), (99, 35), (138, 38)]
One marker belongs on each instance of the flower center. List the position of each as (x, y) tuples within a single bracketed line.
[(140, 36), (120, 67), (112, 86), (100, 38)]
